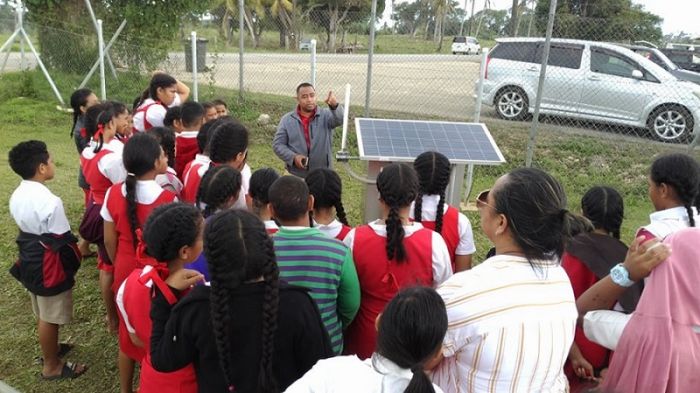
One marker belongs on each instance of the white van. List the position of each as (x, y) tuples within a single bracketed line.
[(466, 45)]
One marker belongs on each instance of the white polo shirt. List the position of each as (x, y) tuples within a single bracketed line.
[(37, 210)]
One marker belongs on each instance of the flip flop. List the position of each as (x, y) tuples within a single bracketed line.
[(67, 372), (63, 349)]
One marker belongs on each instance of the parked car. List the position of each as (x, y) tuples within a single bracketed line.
[(686, 59), (660, 59), (591, 81), (305, 44), (466, 45)]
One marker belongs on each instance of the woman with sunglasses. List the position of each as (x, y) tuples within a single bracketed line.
[(512, 318)]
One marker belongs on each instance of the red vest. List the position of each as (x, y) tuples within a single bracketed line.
[(191, 180), (146, 125), (450, 231), (185, 151), (125, 261), (98, 182), (344, 230), (137, 305), (380, 279)]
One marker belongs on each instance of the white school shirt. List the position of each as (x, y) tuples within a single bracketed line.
[(271, 224), (349, 374), (331, 229), (169, 181), (246, 173), (605, 327), (155, 113), (147, 191), (466, 244), (665, 222), (442, 265), (37, 210), (510, 327), (110, 166)]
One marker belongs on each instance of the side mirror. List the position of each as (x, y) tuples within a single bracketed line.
[(636, 74)]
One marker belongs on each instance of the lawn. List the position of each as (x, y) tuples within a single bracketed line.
[(29, 112)]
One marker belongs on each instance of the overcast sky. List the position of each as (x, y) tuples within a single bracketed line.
[(678, 14)]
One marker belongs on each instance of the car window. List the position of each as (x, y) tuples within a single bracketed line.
[(471, 40), (515, 51), (610, 63), (567, 56), (459, 40)]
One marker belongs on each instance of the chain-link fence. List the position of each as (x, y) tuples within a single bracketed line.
[(593, 81)]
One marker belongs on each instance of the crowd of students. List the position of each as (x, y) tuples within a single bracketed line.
[(217, 278)]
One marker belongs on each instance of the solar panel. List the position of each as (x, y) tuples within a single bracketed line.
[(404, 140)]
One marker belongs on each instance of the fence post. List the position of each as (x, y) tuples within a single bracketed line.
[(193, 53), (241, 42), (313, 63), (370, 54), (540, 85), (101, 49), (480, 85)]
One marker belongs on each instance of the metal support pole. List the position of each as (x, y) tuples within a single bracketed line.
[(107, 48), (7, 57), (540, 85), (41, 65), (94, 22), (8, 44), (370, 54), (101, 49), (480, 86), (241, 43), (313, 62), (22, 64), (195, 84)]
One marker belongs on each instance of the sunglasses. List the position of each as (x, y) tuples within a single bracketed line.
[(482, 198)]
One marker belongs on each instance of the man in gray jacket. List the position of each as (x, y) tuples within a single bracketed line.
[(304, 136)]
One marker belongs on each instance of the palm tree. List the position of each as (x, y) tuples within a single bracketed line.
[(442, 8), (253, 11), (282, 10)]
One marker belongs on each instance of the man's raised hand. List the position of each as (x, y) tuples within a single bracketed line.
[(331, 100)]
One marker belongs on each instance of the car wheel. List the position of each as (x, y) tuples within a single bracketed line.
[(511, 103), (671, 123)]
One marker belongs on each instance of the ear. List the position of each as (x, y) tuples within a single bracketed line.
[(310, 206), (503, 225), (184, 253)]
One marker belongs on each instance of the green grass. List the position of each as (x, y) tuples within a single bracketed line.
[(28, 112)]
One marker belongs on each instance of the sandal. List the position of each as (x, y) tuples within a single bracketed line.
[(67, 372), (63, 349)]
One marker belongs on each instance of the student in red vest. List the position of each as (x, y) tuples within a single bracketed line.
[(173, 237), (126, 207), (195, 169), (168, 180), (392, 253), (186, 148), (328, 215), (430, 209), (163, 92), (218, 191), (258, 200), (102, 166)]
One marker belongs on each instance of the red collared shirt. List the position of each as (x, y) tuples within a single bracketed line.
[(306, 122)]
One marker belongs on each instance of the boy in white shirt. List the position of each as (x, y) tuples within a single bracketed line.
[(48, 254)]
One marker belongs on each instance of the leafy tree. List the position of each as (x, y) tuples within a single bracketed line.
[(333, 15), (407, 17)]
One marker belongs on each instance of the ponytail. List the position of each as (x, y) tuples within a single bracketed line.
[(691, 219), (439, 213), (398, 186), (418, 208), (130, 184), (394, 236), (420, 383)]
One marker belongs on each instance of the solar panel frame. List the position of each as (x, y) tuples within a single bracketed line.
[(409, 158)]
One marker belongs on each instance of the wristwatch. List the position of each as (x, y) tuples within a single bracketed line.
[(621, 276)]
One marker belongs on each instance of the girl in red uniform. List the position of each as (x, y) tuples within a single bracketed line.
[(430, 209), (257, 199), (102, 166), (392, 253), (126, 207), (163, 92), (327, 189), (173, 237)]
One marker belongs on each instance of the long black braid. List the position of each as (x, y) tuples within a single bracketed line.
[(433, 171), (682, 173), (169, 228), (327, 188), (239, 233), (140, 155), (398, 187), (219, 184)]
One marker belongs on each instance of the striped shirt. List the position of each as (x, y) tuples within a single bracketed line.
[(510, 328), (308, 258)]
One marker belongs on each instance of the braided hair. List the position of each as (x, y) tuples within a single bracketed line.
[(410, 332), (681, 172), (260, 182), (326, 187), (169, 228), (605, 208), (77, 99), (206, 130), (433, 171), (227, 140), (398, 186), (239, 233), (166, 137), (140, 155), (219, 184)]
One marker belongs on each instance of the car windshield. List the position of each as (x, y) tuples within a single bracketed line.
[(666, 60), (459, 40)]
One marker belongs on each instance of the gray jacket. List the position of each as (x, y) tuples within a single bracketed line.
[(289, 139)]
